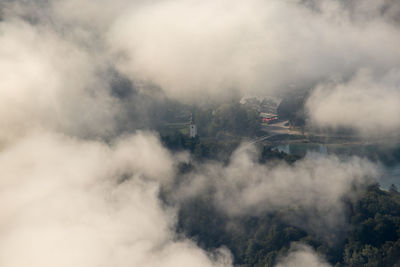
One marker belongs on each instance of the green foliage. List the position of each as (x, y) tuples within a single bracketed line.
[(268, 154), (236, 119), (222, 122), (201, 148), (373, 238), (292, 108), (253, 241)]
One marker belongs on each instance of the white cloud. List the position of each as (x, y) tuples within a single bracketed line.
[(48, 82), (63, 203), (367, 104), (314, 186), (195, 49), (302, 256)]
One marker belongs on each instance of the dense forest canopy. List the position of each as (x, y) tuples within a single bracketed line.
[(370, 235)]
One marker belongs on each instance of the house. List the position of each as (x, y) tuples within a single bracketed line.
[(268, 117)]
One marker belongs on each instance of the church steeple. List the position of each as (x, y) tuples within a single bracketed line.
[(192, 127)]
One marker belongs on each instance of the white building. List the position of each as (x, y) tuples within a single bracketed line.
[(192, 128)]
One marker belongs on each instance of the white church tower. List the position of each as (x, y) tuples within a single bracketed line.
[(192, 128)]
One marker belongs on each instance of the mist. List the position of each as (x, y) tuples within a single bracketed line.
[(301, 255), (68, 202), (50, 83), (194, 50), (313, 189), (80, 184), (368, 104)]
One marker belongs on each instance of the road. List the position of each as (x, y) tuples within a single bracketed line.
[(281, 127)]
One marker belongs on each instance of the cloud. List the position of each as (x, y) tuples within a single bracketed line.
[(302, 256), (211, 49), (63, 202), (49, 83), (366, 103), (314, 186), (200, 50), (69, 199), (192, 49)]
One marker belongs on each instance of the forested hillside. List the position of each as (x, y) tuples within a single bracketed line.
[(370, 235)]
